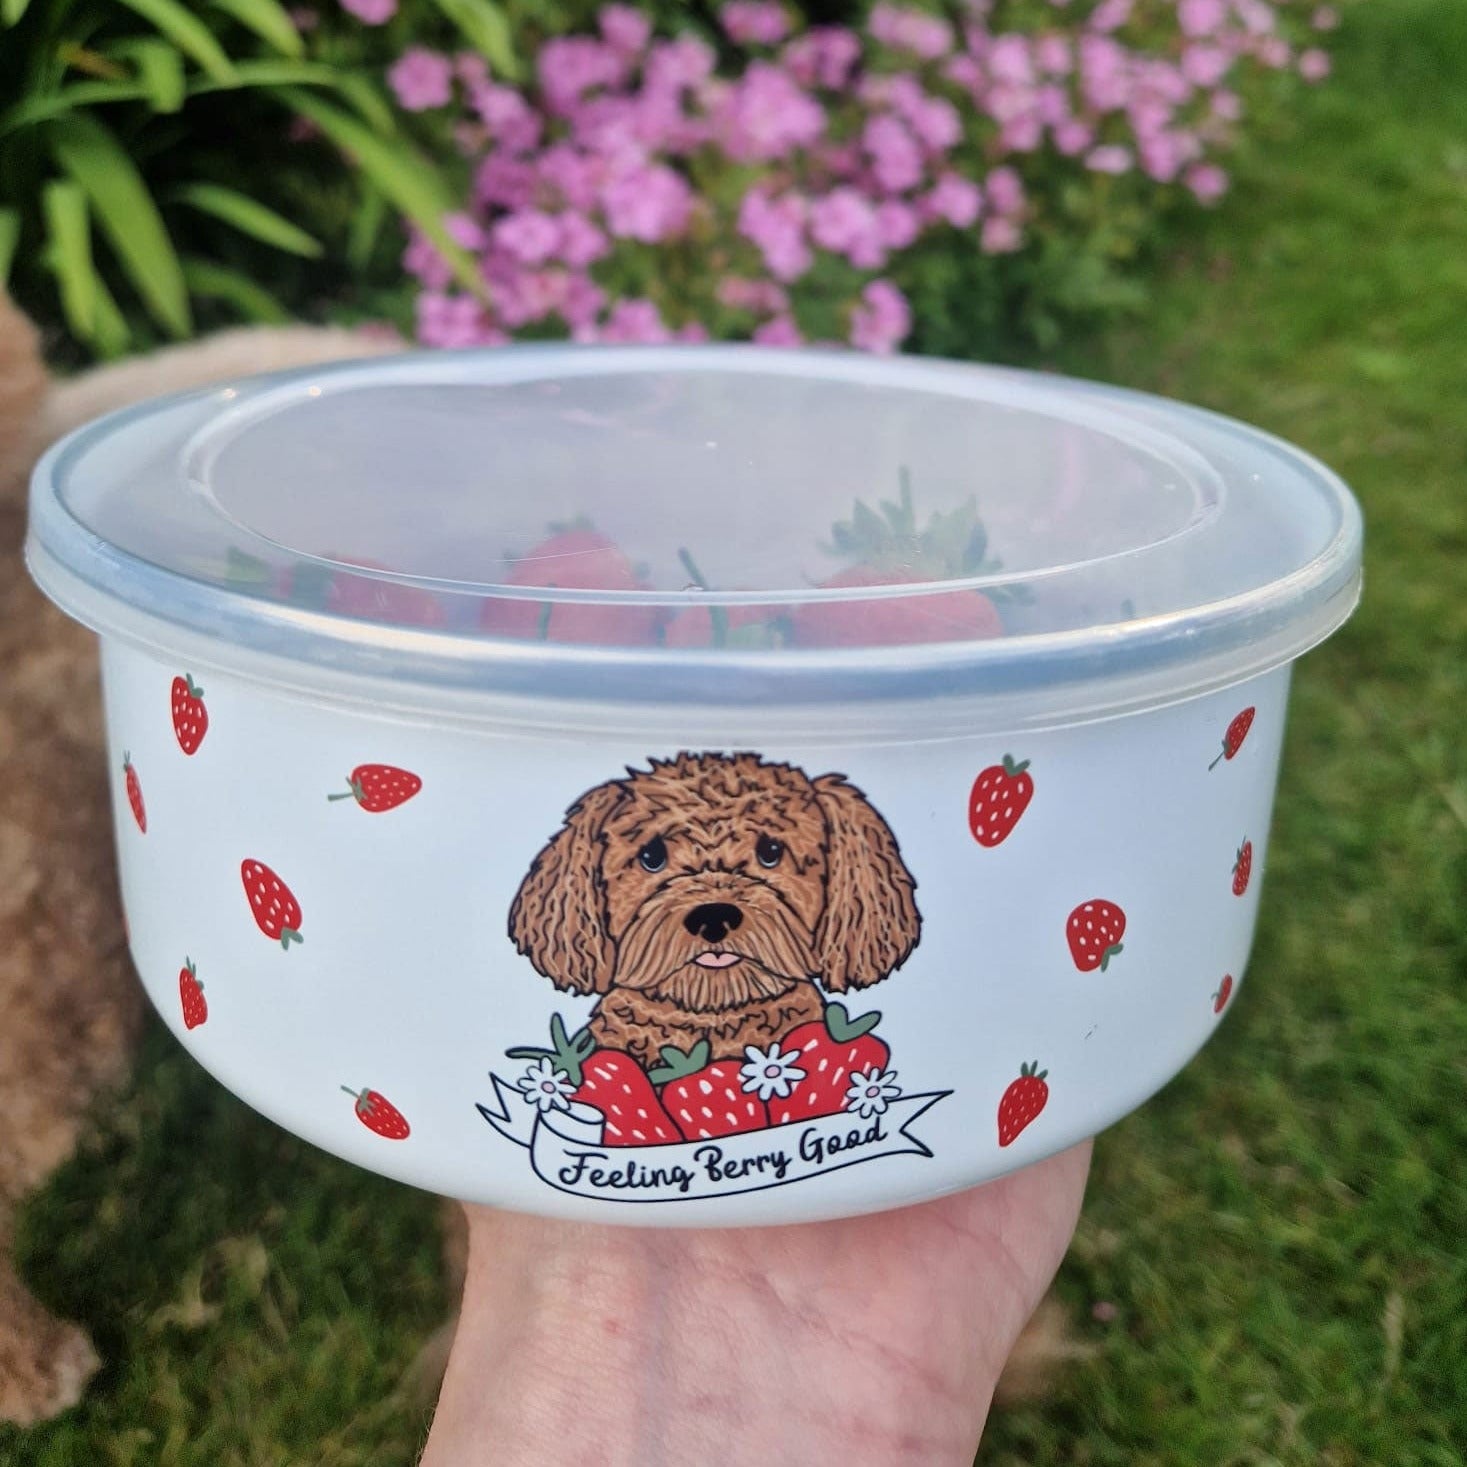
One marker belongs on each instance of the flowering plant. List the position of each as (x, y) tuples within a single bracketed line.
[(792, 183)]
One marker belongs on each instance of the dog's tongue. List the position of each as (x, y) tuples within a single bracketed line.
[(717, 960)]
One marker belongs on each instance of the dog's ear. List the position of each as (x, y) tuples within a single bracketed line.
[(558, 919), (870, 923)]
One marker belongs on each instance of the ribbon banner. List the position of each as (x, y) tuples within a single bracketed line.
[(566, 1150)]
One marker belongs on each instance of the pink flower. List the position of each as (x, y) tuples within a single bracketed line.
[(570, 66), (963, 71), (914, 31), (1227, 105), (1022, 134), (581, 243), (647, 203), (453, 321), (527, 296), (934, 120), (780, 331), (678, 64), (742, 294), (571, 174), (754, 22), (471, 68), (506, 182), (765, 115), (1205, 66), (822, 57), (1009, 60), (1005, 191), (955, 199), (371, 12), (694, 331), (1274, 51), (1162, 155), (1110, 15), (1201, 17), (1325, 18), (624, 28), (635, 321), (530, 236), (421, 79), (897, 224), (509, 118), (896, 158), (464, 230), (1000, 236), (1313, 64), (1053, 54), (845, 222), (883, 319), (583, 303), (1207, 181), (1109, 158), (422, 261), (777, 228), (1073, 137)]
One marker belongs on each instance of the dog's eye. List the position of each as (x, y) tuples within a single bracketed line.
[(653, 855), (768, 850)]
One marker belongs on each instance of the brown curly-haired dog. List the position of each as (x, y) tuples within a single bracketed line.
[(707, 896)]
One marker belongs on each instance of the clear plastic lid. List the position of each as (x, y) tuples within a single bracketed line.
[(719, 525)]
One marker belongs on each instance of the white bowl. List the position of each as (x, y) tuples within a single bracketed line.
[(1020, 809)]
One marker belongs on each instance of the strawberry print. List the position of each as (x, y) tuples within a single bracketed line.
[(707, 1100), (135, 794), (191, 996), (1233, 738), (1022, 1102), (1094, 932), (379, 787), (607, 1080), (272, 903), (1224, 992), (831, 1050), (377, 1113), (1000, 796), (1243, 868), (190, 717)]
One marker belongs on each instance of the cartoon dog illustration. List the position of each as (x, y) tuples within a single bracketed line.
[(707, 896)]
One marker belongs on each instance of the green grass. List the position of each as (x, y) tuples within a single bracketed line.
[(1281, 1232)]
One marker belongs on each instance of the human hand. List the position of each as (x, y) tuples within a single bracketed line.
[(872, 1340)]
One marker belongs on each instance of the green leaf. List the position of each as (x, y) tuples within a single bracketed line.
[(70, 256), (160, 71), (68, 99), (111, 336), (12, 10), (405, 176), (188, 33), (119, 198), (218, 282), (366, 227), (9, 238), (269, 20), (486, 28), (249, 217)]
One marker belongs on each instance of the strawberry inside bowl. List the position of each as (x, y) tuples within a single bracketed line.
[(862, 770)]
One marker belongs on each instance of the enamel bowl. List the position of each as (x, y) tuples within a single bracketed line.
[(691, 786)]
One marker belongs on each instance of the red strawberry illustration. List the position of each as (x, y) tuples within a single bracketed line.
[(1224, 992), (831, 1050), (1243, 868), (379, 787), (608, 1081), (377, 1113), (1233, 738), (707, 1100), (576, 557), (272, 903), (190, 717), (135, 794), (1022, 1101), (191, 995), (1000, 795), (1094, 931)]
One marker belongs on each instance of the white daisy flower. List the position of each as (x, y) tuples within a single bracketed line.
[(768, 1074), (872, 1091), (544, 1087)]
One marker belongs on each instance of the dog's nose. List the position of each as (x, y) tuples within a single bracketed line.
[(713, 921)]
